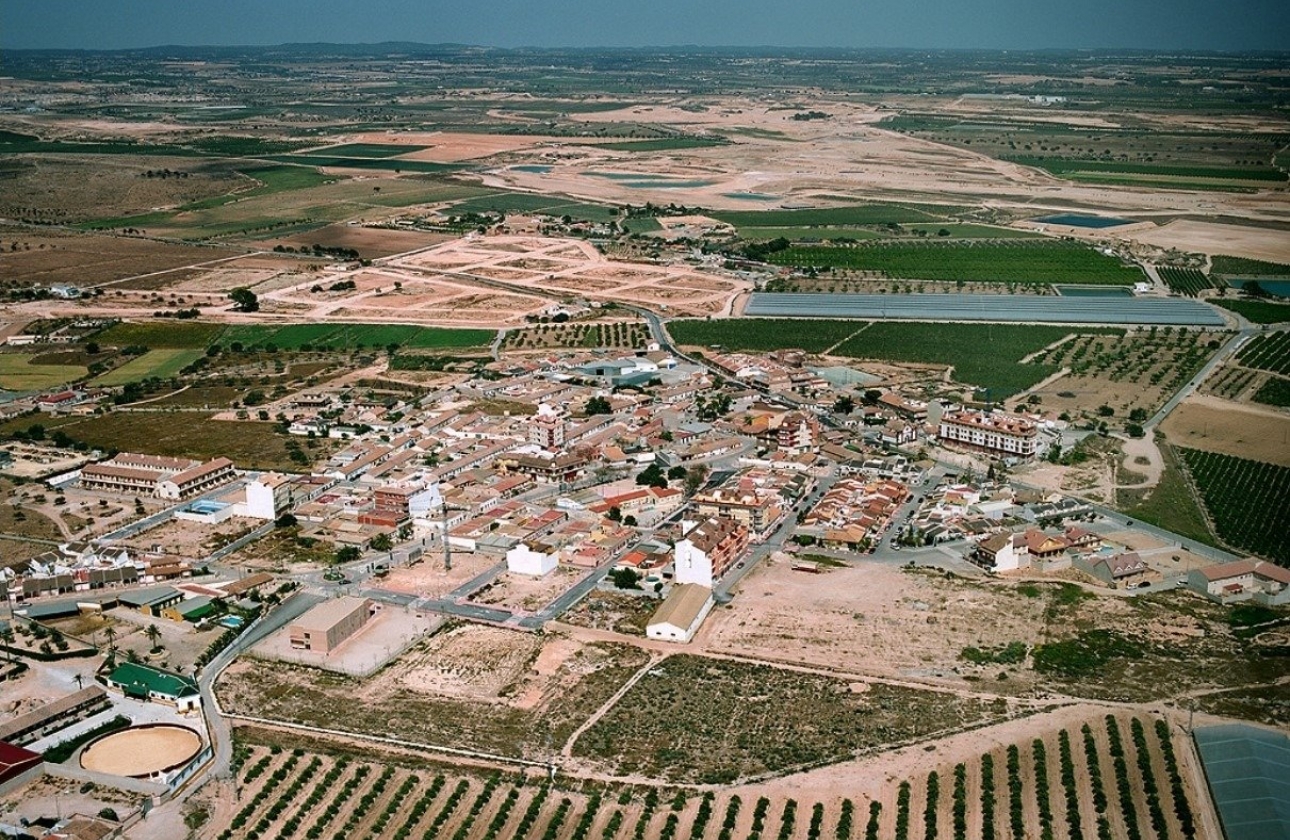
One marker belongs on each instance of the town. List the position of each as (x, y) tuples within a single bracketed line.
[(464, 459)]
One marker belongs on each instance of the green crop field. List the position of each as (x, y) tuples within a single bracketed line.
[(859, 214), (807, 234), (18, 374), (161, 334), (1257, 311), (155, 363), (553, 205), (1076, 168), (1023, 261), (1267, 352), (366, 150), (1247, 501), (984, 355), (1184, 281), (1240, 267), (762, 334), (353, 336), (1274, 392), (663, 144)]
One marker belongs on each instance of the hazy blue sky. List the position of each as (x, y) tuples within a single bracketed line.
[(1008, 24)]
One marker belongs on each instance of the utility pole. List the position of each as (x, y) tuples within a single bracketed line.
[(447, 549)]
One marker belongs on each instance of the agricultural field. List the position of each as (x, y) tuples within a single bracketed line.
[(367, 150), (1270, 352), (20, 372), (1134, 373), (1244, 267), (251, 445), (1022, 261), (548, 205), (161, 334), (618, 334), (664, 144), (1257, 311), (983, 355), (858, 215), (1185, 281), (1275, 391), (762, 334), (1246, 500), (46, 256), (352, 336), (1097, 776), (160, 364), (710, 721)]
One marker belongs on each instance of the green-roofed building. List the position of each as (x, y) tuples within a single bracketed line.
[(143, 682)]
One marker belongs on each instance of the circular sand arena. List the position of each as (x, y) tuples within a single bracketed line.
[(141, 751)]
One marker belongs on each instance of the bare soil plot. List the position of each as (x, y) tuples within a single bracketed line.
[(450, 147), (472, 661), (551, 703), (1241, 429), (627, 614), (89, 259), (370, 242), (525, 592), (65, 190), (1214, 238), (190, 539)]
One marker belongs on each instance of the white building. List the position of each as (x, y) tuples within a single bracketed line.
[(521, 560), (998, 433), (268, 496), (681, 615)]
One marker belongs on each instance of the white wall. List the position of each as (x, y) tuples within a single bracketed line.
[(691, 565), (522, 561)]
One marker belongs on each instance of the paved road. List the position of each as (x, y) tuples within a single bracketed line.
[(217, 727), (1224, 353)]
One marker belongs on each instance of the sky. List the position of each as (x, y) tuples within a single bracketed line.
[(934, 24)]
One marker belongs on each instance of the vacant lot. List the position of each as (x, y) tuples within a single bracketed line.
[(873, 619), (250, 445), (538, 710), (1243, 430)]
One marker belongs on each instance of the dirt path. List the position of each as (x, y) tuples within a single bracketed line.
[(1143, 447), (654, 661)]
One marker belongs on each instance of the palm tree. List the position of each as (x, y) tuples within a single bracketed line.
[(6, 636), (110, 632), (153, 633)]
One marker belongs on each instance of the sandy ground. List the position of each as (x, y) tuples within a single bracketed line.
[(524, 592), (472, 661), (1241, 429), (1214, 238), (138, 752), (869, 618), (428, 578)]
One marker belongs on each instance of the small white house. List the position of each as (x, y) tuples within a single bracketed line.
[(521, 560), (681, 615)]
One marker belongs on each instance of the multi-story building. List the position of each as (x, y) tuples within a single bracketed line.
[(196, 480), (547, 429), (269, 496), (797, 433), (152, 475), (325, 626), (708, 550), (997, 433)]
